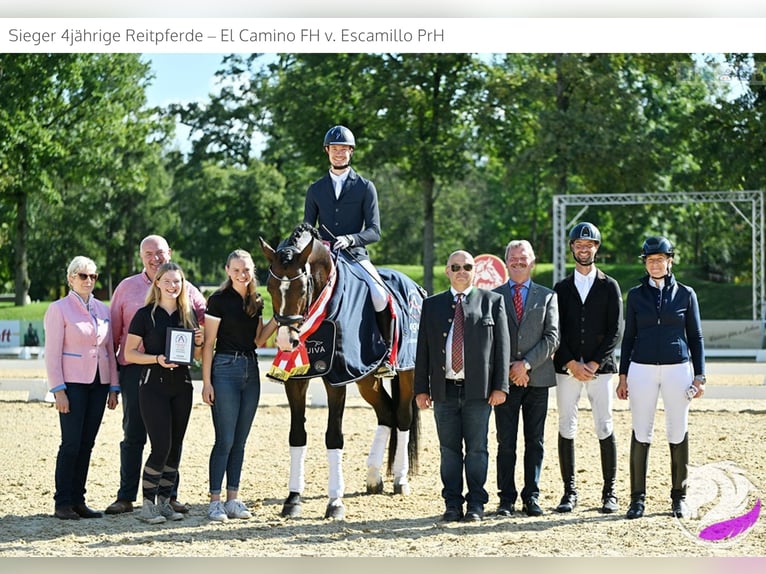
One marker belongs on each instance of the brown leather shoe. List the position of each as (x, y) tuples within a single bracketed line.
[(66, 513), (181, 507), (119, 506), (84, 512)]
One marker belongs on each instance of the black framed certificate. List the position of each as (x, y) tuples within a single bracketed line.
[(179, 346)]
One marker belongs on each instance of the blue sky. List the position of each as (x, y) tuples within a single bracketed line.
[(181, 77)]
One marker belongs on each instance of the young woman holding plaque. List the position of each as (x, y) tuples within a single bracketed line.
[(165, 393)]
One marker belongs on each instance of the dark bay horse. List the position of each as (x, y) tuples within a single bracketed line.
[(300, 270)]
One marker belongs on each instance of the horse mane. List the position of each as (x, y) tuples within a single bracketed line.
[(296, 242)]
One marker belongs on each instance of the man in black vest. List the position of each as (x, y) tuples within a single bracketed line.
[(590, 315)]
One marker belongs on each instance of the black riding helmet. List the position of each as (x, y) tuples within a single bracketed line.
[(339, 135), (657, 244), (585, 230)]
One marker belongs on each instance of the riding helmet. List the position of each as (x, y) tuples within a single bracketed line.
[(339, 135), (657, 244), (585, 230)]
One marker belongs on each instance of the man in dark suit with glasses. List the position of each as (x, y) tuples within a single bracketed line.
[(461, 369)]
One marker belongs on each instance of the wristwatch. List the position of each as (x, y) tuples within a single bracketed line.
[(700, 379), (527, 366)]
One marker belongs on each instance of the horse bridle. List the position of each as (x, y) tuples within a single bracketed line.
[(292, 321)]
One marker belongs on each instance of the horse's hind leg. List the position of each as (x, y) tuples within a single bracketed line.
[(295, 389), (403, 391), (336, 404), (373, 391)]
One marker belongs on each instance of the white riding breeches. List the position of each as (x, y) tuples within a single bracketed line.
[(377, 290), (645, 384), (600, 395)]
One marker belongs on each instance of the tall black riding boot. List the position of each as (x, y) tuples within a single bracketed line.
[(679, 471), (385, 325), (608, 447), (639, 459), (567, 464)]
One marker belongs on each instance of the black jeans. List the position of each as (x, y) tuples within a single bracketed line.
[(533, 404), (134, 435), (165, 409), (79, 428)]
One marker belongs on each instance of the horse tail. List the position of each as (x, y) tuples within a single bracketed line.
[(413, 447)]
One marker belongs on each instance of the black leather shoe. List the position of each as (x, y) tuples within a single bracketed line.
[(66, 513), (505, 510), (119, 506), (568, 502), (84, 512), (452, 514), (636, 509), (181, 507), (474, 514), (532, 508)]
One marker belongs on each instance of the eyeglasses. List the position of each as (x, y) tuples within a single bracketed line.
[(84, 276), (457, 267)]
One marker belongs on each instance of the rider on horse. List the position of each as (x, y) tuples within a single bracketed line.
[(344, 206)]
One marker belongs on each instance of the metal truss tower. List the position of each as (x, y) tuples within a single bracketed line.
[(755, 220)]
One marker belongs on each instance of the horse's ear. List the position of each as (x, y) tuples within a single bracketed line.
[(267, 249), (304, 256)]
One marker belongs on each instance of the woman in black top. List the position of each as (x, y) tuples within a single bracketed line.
[(230, 379), (165, 392)]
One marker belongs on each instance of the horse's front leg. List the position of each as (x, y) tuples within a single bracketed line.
[(336, 405), (375, 394), (295, 389)]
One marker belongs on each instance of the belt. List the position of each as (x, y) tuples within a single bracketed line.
[(246, 354), (456, 382)]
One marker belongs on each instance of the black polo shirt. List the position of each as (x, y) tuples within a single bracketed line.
[(237, 330)]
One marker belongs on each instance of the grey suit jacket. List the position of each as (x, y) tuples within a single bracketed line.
[(536, 338), (486, 345)]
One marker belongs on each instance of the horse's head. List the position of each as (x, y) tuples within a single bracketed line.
[(293, 283)]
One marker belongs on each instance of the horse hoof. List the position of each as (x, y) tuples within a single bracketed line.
[(376, 488), (292, 506), (403, 489), (335, 510)]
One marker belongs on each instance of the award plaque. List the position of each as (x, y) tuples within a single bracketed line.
[(179, 346)]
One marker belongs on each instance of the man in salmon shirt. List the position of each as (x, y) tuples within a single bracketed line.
[(128, 297)]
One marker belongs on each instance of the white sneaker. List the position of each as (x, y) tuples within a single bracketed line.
[(216, 511), (150, 513), (167, 511), (236, 509)]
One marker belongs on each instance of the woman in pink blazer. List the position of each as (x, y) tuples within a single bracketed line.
[(82, 375)]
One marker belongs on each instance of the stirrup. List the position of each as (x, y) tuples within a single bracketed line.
[(385, 369)]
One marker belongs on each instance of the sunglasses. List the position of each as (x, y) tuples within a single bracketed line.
[(84, 276), (457, 267)]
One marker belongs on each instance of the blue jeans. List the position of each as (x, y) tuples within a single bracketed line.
[(134, 435), (79, 428), (237, 386), (533, 404), (458, 422)]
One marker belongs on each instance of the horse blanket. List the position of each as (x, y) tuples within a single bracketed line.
[(348, 344)]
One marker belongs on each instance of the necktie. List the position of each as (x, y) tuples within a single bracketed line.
[(457, 335), (518, 304)]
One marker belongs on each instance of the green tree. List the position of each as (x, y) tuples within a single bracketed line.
[(74, 137)]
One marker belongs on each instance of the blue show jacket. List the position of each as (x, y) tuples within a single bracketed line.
[(662, 328)]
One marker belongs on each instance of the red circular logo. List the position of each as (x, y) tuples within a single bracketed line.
[(490, 271)]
